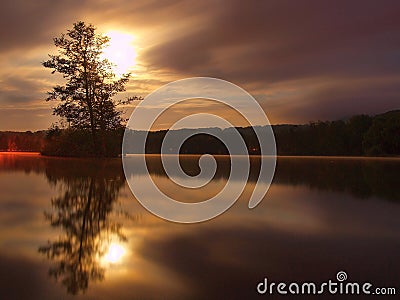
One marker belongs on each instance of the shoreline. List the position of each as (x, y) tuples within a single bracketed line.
[(342, 157)]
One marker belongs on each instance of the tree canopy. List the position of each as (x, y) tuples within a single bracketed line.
[(86, 98)]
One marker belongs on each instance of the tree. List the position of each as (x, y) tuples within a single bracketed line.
[(87, 96), (357, 127), (383, 137)]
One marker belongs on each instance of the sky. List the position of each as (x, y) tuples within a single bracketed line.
[(301, 60)]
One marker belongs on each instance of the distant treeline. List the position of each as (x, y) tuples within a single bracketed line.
[(22, 141), (358, 136)]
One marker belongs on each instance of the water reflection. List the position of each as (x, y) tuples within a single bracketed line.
[(320, 216), (360, 177), (83, 212)]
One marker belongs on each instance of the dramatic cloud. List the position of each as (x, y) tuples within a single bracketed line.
[(302, 61)]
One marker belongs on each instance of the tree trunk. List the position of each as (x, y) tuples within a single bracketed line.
[(90, 107)]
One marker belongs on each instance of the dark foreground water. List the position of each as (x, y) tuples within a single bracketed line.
[(70, 228)]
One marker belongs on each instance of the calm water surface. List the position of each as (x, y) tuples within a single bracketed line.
[(70, 228)]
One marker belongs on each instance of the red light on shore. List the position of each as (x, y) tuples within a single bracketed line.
[(12, 146)]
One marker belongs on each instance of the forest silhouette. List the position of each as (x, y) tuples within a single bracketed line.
[(360, 135)]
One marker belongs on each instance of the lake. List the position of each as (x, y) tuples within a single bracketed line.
[(71, 228)]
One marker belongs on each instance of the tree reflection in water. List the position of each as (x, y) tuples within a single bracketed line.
[(83, 211)]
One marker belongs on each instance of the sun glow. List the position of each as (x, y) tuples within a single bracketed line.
[(120, 51), (114, 254)]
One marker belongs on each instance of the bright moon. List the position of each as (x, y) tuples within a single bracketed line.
[(120, 51)]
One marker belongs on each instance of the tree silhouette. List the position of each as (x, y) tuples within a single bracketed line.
[(87, 97), (83, 212), (383, 136)]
